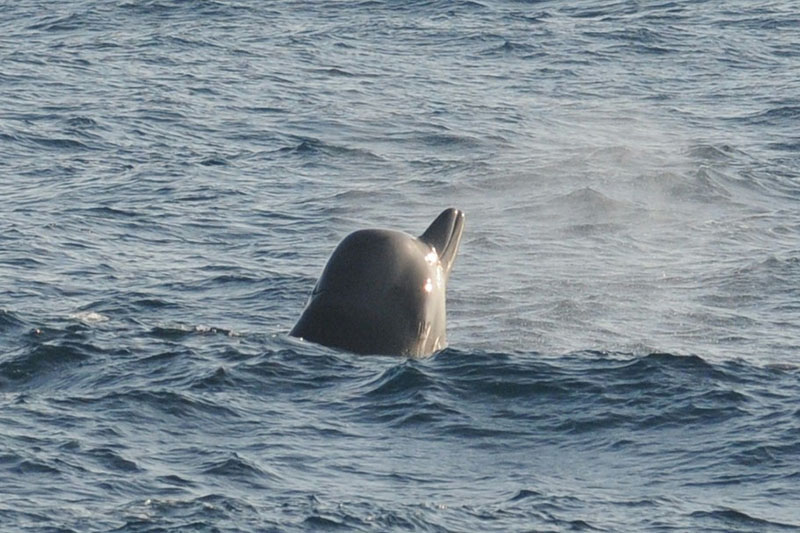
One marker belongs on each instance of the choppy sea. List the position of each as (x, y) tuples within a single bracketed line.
[(624, 314)]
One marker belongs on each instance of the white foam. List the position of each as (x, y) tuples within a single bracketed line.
[(89, 317)]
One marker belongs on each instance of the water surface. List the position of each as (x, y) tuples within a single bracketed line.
[(623, 315)]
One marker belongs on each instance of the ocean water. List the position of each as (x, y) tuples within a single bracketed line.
[(624, 316)]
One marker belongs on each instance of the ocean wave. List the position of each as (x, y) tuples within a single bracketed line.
[(9, 320), (311, 147), (44, 360), (740, 521), (113, 460), (235, 467), (154, 405)]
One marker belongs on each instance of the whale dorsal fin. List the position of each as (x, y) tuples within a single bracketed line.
[(444, 234)]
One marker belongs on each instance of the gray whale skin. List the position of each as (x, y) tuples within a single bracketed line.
[(383, 291)]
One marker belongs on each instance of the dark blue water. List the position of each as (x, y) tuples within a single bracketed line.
[(624, 322)]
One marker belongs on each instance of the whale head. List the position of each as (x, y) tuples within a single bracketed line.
[(383, 291)]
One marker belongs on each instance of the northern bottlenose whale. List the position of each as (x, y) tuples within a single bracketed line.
[(383, 291)]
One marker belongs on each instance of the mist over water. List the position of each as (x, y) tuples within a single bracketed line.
[(623, 315)]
